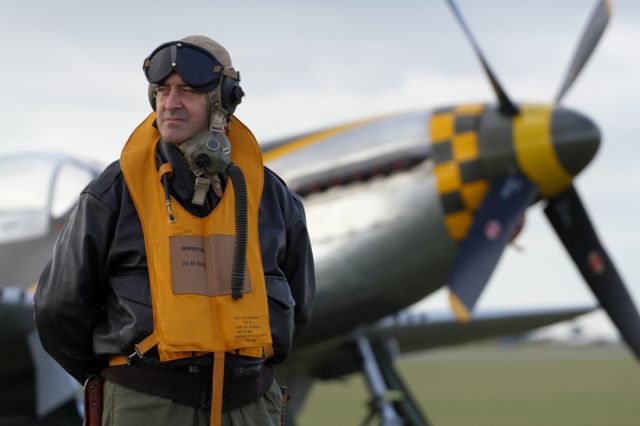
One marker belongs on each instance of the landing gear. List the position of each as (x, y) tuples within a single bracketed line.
[(390, 398)]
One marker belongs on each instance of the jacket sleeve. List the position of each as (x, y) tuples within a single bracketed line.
[(67, 299), (298, 266)]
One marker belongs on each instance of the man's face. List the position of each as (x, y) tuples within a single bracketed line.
[(181, 111)]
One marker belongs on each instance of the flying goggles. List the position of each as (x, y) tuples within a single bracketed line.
[(197, 67)]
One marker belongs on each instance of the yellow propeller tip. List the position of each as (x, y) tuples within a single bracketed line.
[(459, 309)]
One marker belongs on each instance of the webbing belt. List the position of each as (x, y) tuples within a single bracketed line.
[(217, 379)]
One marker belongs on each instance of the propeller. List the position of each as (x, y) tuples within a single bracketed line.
[(572, 224), (588, 42), (493, 225), (508, 197), (506, 106)]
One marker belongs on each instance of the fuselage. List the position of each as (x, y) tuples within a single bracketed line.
[(389, 200)]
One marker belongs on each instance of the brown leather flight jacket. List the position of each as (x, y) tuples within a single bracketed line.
[(93, 298)]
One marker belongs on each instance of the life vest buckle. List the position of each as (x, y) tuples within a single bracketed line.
[(136, 355)]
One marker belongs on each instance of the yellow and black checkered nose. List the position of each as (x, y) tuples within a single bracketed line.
[(460, 178), (475, 144)]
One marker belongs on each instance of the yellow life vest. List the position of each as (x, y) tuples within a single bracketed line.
[(189, 260)]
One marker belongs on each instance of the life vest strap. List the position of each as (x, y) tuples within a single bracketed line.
[(118, 360), (164, 169), (146, 344), (140, 349), (216, 389), (267, 351)]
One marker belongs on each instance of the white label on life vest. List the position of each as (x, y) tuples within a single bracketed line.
[(202, 265)]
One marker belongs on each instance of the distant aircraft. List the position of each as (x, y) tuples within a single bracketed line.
[(37, 194), (402, 205)]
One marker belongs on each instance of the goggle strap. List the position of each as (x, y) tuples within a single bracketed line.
[(230, 72)]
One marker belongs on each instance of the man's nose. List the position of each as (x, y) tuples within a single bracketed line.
[(173, 100)]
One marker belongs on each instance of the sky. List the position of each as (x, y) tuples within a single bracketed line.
[(72, 82)]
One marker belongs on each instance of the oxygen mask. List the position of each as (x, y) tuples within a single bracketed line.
[(208, 152)]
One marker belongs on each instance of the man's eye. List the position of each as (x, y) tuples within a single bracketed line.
[(187, 90), (162, 90)]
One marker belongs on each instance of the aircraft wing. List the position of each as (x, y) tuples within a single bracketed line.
[(416, 331), (410, 331)]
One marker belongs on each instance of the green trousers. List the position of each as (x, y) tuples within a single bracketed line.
[(126, 407)]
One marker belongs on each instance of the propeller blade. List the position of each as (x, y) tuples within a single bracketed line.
[(589, 41), (493, 225), (506, 106), (569, 218)]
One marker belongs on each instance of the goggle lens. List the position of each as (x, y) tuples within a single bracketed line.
[(158, 66), (197, 67)]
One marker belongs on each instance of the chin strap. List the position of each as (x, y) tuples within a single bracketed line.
[(218, 121), (219, 116), (201, 188)]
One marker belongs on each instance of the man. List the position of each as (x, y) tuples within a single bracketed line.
[(150, 284)]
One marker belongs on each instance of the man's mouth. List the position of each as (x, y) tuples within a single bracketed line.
[(174, 119)]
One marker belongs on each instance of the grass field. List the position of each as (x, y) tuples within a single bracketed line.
[(494, 385)]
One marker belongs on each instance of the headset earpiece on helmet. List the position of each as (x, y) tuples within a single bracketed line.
[(230, 93)]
